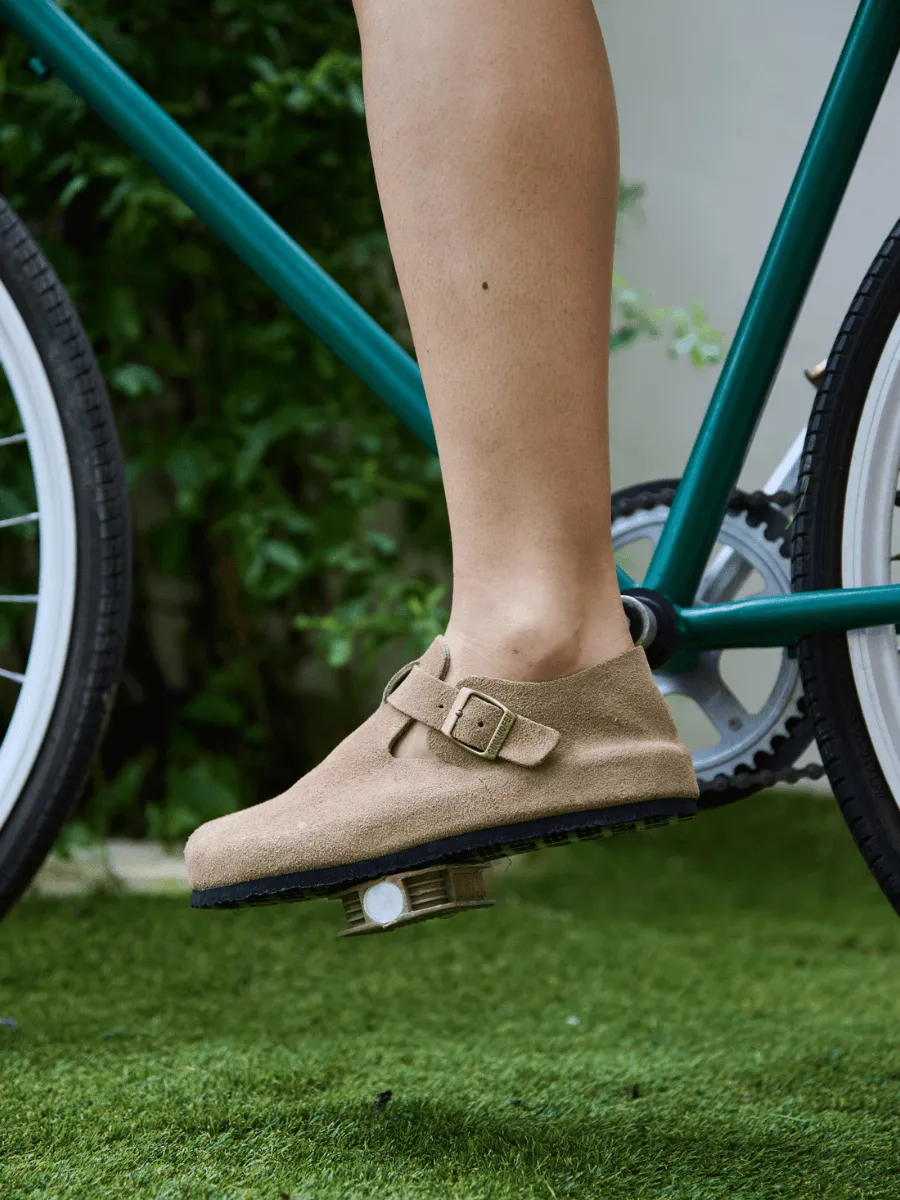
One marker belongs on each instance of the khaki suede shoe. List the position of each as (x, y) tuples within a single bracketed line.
[(511, 766)]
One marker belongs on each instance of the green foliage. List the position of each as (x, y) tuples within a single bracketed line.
[(292, 546), (687, 330)]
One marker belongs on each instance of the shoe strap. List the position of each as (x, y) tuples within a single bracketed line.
[(471, 718)]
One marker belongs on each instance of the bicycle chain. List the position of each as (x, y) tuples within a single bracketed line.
[(740, 501)]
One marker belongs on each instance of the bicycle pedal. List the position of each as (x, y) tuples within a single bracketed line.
[(412, 896)]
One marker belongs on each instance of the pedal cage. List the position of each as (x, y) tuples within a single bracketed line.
[(412, 896)]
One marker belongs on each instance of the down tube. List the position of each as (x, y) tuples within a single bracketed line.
[(856, 87), (226, 208)]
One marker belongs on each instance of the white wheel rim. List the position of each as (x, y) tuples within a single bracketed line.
[(40, 685), (866, 556)]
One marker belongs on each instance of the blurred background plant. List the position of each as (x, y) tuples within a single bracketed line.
[(291, 542)]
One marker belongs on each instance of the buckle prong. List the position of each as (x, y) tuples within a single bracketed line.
[(498, 737)]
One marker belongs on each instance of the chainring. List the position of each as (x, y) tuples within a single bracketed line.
[(758, 749)]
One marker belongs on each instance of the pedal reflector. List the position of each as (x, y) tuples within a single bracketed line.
[(412, 896)]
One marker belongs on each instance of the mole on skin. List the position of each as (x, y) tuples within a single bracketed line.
[(484, 285)]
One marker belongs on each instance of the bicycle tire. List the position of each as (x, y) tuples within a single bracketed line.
[(869, 805), (102, 587)]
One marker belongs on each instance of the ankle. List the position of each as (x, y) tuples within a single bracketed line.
[(535, 649)]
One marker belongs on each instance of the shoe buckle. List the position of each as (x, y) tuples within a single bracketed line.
[(498, 737)]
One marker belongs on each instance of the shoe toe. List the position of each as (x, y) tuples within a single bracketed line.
[(215, 852)]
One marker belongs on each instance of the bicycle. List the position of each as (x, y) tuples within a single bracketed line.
[(820, 534)]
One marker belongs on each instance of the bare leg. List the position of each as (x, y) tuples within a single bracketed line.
[(493, 131)]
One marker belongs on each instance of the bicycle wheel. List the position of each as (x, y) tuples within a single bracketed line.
[(65, 550), (847, 535)]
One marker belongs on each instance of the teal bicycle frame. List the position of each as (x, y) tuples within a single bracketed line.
[(856, 87)]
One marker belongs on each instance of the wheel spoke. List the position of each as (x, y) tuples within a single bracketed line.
[(14, 439), (25, 519), (13, 675), (18, 599)]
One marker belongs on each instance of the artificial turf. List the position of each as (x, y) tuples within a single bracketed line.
[(706, 1011)]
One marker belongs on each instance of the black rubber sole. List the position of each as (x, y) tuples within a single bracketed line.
[(481, 845)]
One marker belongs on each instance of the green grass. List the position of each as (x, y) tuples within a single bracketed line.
[(736, 980)]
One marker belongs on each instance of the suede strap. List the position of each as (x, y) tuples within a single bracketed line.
[(431, 700)]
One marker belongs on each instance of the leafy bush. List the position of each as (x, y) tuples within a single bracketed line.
[(291, 539)]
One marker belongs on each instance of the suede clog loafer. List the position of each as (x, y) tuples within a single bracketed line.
[(511, 766)]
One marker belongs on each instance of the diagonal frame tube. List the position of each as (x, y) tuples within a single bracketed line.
[(226, 208)]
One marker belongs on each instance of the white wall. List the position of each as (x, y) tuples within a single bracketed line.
[(716, 101)]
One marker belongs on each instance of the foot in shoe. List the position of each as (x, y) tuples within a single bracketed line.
[(508, 760), (528, 655)]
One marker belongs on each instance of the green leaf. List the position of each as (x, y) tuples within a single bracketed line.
[(355, 96), (298, 99), (622, 337), (382, 542), (340, 650), (136, 379), (283, 554), (75, 185), (192, 467), (264, 68), (74, 836)]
